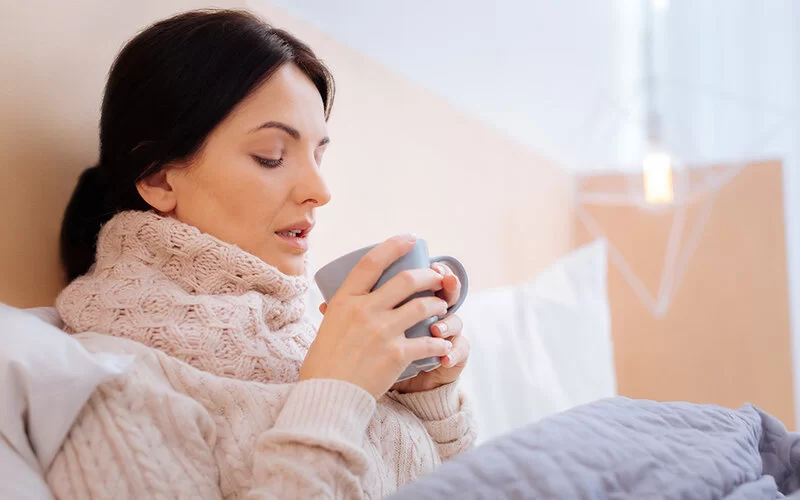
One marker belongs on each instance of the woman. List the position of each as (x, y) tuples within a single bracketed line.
[(186, 247)]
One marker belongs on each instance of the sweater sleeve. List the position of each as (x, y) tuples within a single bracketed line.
[(446, 416), (315, 449), (137, 440), (132, 440)]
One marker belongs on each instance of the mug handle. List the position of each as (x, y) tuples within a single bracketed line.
[(458, 270)]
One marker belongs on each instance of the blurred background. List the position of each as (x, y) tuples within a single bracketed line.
[(619, 177)]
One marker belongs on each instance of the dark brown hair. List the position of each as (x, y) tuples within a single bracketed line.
[(169, 87)]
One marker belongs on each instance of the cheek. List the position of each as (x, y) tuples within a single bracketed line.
[(256, 214), (261, 203), (233, 201), (237, 184), (252, 204)]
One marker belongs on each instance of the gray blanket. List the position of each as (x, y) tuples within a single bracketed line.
[(620, 448)]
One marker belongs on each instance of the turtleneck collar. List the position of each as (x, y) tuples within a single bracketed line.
[(198, 263)]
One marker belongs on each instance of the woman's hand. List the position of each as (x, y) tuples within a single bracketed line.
[(449, 328), (362, 336)]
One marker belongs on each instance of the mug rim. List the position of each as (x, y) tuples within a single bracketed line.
[(342, 257), (364, 249)]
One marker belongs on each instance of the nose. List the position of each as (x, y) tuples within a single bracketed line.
[(311, 187)]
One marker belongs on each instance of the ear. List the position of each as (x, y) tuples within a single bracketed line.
[(157, 190)]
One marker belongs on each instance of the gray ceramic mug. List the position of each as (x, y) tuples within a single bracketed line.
[(330, 277)]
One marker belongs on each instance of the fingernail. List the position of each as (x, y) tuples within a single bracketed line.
[(441, 328), (448, 360), (411, 237)]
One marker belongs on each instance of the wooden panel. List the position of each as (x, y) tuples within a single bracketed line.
[(726, 336)]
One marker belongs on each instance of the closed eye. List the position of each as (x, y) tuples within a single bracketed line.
[(267, 162)]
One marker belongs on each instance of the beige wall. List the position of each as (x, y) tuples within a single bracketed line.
[(402, 159), (726, 338), (54, 57)]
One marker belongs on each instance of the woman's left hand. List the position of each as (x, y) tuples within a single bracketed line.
[(450, 329)]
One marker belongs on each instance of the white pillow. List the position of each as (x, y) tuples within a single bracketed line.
[(541, 347), (17, 478), (46, 377), (47, 314)]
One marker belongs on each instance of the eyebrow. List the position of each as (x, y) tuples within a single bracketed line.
[(293, 132)]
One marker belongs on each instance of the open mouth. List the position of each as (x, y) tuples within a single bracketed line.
[(296, 237), (295, 233)]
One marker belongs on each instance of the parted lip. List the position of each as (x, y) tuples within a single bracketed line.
[(304, 226)]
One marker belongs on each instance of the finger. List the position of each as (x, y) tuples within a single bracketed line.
[(451, 285), (416, 310), (372, 265), (442, 269), (323, 307), (425, 347), (458, 353), (406, 284), (451, 325)]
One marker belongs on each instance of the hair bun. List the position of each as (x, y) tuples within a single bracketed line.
[(95, 177), (86, 213)]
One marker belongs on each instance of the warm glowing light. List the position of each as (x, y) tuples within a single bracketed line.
[(658, 178)]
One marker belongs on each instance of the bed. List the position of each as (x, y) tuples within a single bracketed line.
[(627, 449)]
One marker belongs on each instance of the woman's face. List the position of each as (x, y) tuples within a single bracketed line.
[(256, 181)]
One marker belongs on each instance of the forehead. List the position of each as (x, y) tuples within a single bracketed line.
[(288, 96)]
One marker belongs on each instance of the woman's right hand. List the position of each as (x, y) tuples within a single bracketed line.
[(362, 337)]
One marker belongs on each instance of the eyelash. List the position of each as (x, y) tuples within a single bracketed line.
[(264, 162)]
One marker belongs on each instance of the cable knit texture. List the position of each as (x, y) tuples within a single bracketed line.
[(212, 408)]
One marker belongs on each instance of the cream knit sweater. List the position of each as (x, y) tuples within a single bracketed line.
[(212, 408)]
